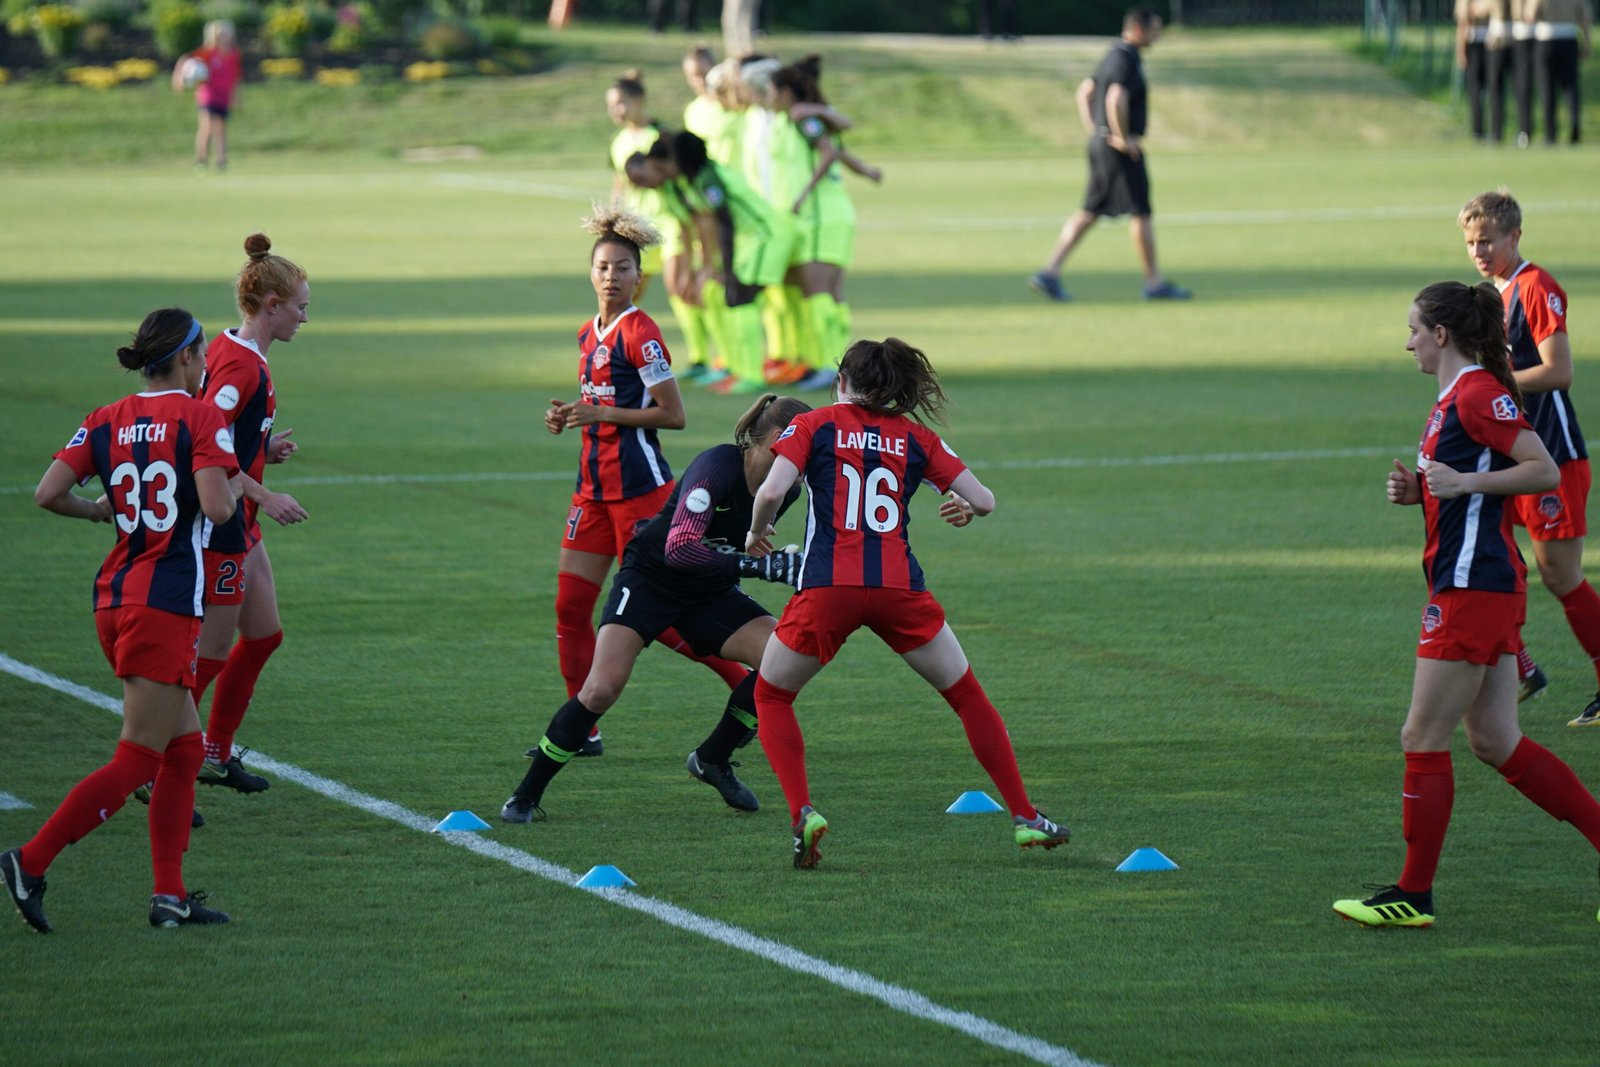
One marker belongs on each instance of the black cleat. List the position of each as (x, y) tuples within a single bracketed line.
[(592, 746), (520, 809), (1389, 906), (1589, 716), (231, 775), (720, 777), (1531, 686), (142, 795), (27, 892), (169, 911)]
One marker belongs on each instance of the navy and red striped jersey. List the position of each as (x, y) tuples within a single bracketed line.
[(1536, 307), (617, 367), (1470, 544), (860, 470), (145, 449), (239, 385)]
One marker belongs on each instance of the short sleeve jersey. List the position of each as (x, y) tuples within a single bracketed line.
[(239, 385), (1469, 543), (1122, 66), (860, 470), (145, 449), (718, 187), (716, 126), (628, 141), (1536, 308), (617, 367), (692, 547)]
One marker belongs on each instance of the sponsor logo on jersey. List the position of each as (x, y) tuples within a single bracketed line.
[(653, 351), (1505, 409), (596, 393), (1553, 301), (1550, 506), (79, 438), (225, 440), (227, 398), (788, 432), (266, 426), (698, 500), (602, 357), (1432, 618)]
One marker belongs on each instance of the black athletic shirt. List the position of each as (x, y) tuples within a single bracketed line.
[(1122, 66)]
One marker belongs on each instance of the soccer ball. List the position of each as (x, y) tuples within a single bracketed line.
[(194, 72)]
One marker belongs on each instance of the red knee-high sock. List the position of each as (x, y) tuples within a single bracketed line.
[(1582, 606), (986, 733), (1544, 778), (575, 600), (171, 805), (730, 672), (783, 743), (205, 672), (92, 801), (1427, 793), (236, 684)]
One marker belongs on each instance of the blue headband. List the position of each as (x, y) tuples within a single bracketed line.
[(194, 332)]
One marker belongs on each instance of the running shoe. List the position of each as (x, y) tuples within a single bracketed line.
[(807, 834), (1049, 286), (782, 372), (1532, 686), (168, 911), (1166, 291), (822, 378), (1589, 716), (1389, 906), (27, 892), (1039, 831), (232, 775), (695, 372), (720, 777), (520, 809)]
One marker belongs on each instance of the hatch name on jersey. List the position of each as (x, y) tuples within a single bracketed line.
[(866, 440), (142, 433)]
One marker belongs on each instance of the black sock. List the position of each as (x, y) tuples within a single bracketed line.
[(738, 719), (562, 738)]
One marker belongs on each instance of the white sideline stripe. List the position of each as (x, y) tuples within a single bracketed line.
[(11, 802), (1057, 463), (899, 998)]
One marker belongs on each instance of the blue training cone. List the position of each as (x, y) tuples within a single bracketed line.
[(460, 820), (605, 876), (1146, 859), (973, 802)]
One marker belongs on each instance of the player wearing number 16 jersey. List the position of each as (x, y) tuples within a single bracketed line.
[(163, 458), (862, 460)]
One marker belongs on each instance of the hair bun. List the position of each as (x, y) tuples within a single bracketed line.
[(257, 245), (634, 74)]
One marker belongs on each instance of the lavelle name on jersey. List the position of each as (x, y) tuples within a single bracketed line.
[(142, 433), (868, 441)]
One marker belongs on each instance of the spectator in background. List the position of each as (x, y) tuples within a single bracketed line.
[(1560, 42), (683, 9), (212, 71), (986, 20), (1472, 56), (1522, 68), (1113, 106)]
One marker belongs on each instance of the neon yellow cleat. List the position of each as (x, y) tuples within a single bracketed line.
[(1390, 906), (807, 833)]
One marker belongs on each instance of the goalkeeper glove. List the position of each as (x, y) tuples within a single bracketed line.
[(781, 567)]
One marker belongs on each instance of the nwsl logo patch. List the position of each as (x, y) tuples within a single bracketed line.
[(788, 432), (1432, 618), (79, 438), (652, 350), (1505, 409), (1550, 507)]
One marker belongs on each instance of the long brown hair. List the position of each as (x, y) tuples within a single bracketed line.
[(893, 378), (770, 412), (1475, 316)]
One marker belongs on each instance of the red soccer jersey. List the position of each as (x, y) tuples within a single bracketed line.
[(618, 367), (145, 449), (1536, 309), (861, 470), (240, 386)]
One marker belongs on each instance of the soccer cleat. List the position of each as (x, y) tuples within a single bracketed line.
[(1039, 831), (520, 809), (822, 378), (1389, 906), (231, 775), (142, 795), (27, 892), (1049, 286), (168, 911), (807, 835), (720, 777), (694, 372), (1589, 716), (1166, 291), (592, 746), (1532, 686)]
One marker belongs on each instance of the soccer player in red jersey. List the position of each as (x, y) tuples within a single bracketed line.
[(682, 571), (1476, 454), (272, 295), (164, 460), (626, 392), (862, 459), (1541, 361)]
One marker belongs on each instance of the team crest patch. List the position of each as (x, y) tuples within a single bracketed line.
[(788, 432), (602, 357), (79, 438), (715, 196), (653, 351), (1553, 301), (1505, 409), (1550, 506), (1432, 618)]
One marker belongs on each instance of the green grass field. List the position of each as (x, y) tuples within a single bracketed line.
[(1192, 605)]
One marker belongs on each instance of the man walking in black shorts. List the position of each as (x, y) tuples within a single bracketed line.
[(1113, 105)]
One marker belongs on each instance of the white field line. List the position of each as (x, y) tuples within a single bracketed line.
[(899, 998), (1056, 463), (11, 802)]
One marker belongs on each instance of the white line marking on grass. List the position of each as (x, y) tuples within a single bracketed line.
[(899, 998), (12, 802)]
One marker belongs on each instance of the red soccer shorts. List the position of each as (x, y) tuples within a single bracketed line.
[(1471, 625), (605, 527), (225, 577), (816, 622), (145, 642), (1558, 515)]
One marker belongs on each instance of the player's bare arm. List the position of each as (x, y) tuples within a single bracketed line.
[(1535, 472), (1555, 366)]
